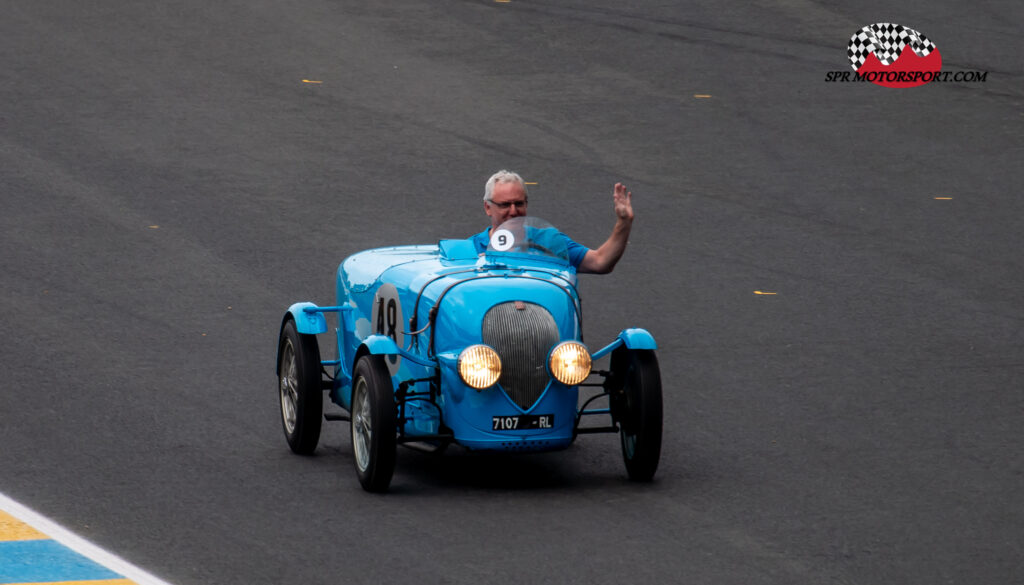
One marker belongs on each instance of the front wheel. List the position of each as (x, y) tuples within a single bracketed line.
[(301, 395), (638, 410), (374, 426)]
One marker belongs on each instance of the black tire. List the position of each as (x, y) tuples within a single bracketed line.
[(638, 410), (374, 424), (299, 389)]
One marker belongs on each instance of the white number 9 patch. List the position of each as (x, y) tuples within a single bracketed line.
[(502, 240)]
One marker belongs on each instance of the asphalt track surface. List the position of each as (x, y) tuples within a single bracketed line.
[(171, 184)]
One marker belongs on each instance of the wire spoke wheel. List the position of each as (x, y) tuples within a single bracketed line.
[(639, 413), (299, 388), (362, 430), (289, 387), (374, 424)]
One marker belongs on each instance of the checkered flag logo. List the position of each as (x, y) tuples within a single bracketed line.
[(886, 41)]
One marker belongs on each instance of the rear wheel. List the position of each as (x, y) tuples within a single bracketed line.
[(374, 428), (301, 394), (638, 410)]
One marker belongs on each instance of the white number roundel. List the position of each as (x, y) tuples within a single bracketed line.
[(502, 240)]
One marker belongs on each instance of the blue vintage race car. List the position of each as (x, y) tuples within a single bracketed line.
[(437, 344)]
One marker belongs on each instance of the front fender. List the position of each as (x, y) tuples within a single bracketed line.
[(380, 345), (637, 338), (634, 338)]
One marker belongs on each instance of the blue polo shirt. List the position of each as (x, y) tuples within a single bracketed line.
[(576, 251)]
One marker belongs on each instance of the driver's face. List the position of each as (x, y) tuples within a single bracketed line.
[(508, 200)]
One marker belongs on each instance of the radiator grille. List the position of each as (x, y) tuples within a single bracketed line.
[(522, 337)]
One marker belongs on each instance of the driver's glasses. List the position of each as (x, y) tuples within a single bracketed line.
[(507, 204)]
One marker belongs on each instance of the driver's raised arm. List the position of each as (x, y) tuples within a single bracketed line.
[(603, 259), (505, 198)]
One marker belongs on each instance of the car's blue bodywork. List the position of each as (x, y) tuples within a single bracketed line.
[(420, 306)]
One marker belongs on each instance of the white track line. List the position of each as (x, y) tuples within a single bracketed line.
[(77, 543)]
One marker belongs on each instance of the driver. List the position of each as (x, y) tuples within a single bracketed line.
[(505, 198)]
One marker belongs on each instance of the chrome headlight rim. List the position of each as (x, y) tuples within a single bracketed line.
[(580, 372), (479, 366)]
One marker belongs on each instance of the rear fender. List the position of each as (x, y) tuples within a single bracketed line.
[(305, 323)]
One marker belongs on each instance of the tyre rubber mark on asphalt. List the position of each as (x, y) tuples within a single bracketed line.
[(37, 550), (761, 292)]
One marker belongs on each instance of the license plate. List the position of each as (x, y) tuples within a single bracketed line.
[(519, 422)]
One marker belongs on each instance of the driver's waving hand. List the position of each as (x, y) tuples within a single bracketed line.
[(505, 197)]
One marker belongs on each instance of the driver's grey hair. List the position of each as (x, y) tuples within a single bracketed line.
[(502, 176)]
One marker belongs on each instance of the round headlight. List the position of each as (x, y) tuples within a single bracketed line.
[(479, 366), (570, 363)]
